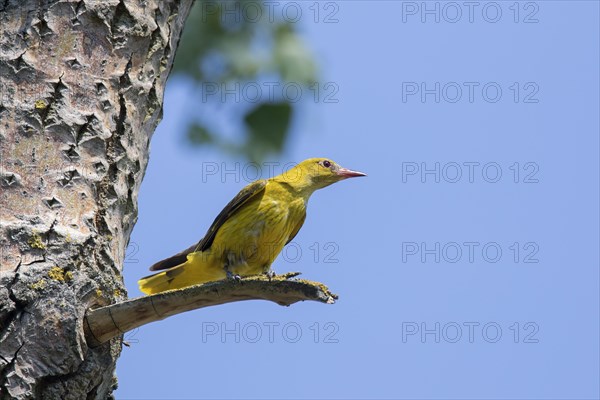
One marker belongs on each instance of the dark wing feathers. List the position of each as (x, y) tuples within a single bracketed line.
[(240, 199), (235, 204), (173, 261)]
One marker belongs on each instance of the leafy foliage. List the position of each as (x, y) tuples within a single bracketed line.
[(240, 46)]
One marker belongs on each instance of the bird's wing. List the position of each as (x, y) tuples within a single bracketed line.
[(297, 228), (235, 204), (173, 261)]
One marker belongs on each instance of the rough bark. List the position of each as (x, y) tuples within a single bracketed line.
[(81, 88)]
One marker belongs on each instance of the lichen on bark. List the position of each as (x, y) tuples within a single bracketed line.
[(81, 88)]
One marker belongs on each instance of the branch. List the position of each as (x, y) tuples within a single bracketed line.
[(102, 324)]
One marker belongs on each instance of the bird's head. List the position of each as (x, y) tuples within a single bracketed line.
[(317, 173)]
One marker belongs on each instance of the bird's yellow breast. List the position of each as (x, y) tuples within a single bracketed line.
[(249, 242)]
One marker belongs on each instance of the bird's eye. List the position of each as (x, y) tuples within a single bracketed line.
[(326, 163)]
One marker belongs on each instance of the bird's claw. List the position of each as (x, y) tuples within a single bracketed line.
[(231, 276), (270, 274)]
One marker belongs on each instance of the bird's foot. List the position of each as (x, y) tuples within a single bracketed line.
[(270, 274), (231, 276)]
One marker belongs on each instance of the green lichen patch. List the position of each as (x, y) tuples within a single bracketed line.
[(39, 285), (35, 242), (59, 274)]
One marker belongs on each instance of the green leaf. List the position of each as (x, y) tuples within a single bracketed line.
[(218, 48), (268, 126), (199, 134)]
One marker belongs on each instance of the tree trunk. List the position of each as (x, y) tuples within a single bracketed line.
[(81, 88)]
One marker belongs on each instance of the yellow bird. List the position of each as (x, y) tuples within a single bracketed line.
[(251, 231)]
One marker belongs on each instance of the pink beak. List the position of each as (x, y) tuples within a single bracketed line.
[(348, 173)]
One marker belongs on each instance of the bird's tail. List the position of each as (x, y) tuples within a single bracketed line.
[(157, 283), (192, 272)]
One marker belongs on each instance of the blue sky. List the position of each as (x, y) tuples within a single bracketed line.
[(467, 262)]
